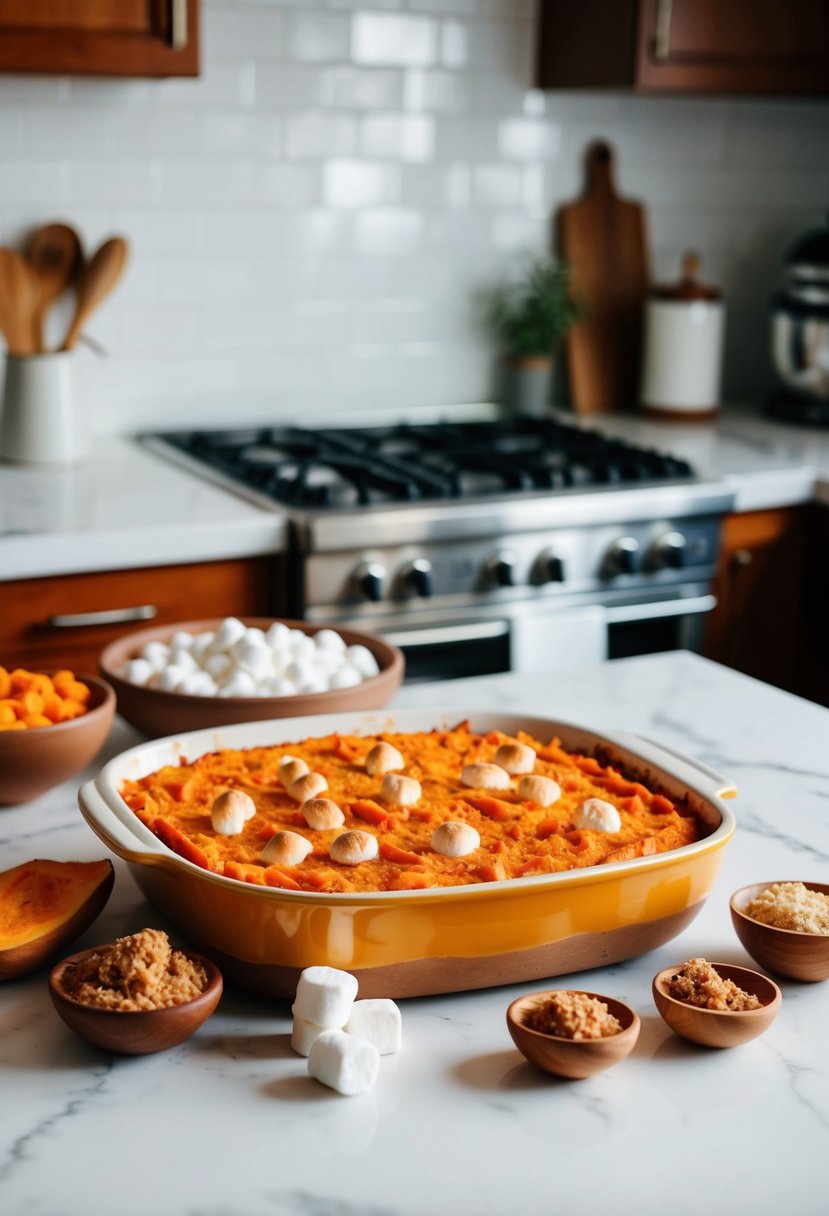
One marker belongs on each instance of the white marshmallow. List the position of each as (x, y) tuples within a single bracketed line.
[(362, 658), (324, 996), (218, 666), (322, 814), (156, 653), (181, 657), (541, 790), (300, 645), (137, 671), (170, 678), (383, 758), (228, 632), (240, 684), (485, 777), (352, 848), (346, 676), (314, 684), (455, 839), (515, 758), (302, 671), (181, 640), (327, 639), (198, 684), (255, 660), (378, 1021), (401, 791), (201, 643), (277, 635), (343, 1062), (286, 849), (278, 686), (304, 1034), (311, 785), (597, 816), (291, 769)]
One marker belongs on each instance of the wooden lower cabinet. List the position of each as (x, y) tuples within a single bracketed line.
[(767, 620), (36, 615)]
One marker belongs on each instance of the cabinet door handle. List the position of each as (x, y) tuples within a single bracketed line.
[(110, 616), (178, 24), (662, 34)]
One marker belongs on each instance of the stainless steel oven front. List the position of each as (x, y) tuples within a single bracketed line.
[(545, 593)]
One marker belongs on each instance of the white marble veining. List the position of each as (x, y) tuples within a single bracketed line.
[(123, 508), (229, 1124)]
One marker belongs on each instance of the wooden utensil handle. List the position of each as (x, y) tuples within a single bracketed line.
[(600, 168)]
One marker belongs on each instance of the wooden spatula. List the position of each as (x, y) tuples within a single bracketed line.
[(96, 281), (56, 254), (603, 239), (19, 294)]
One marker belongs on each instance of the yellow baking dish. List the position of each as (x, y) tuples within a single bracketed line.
[(413, 943)]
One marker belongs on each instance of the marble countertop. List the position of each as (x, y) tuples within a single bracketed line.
[(229, 1123), (127, 507)]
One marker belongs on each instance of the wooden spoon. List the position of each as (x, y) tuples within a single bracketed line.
[(98, 278), (56, 254), (19, 293)]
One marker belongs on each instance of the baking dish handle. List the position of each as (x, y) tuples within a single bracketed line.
[(665, 756), (121, 839)]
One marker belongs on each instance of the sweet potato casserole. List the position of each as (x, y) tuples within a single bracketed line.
[(404, 811)]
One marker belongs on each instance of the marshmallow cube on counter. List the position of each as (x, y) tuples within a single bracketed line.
[(324, 996), (344, 1062), (304, 1035), (377, 1020)]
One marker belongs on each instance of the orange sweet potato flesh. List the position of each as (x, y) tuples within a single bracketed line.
[(45, 905)]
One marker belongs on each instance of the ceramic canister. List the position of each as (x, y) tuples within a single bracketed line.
[(684, 331)]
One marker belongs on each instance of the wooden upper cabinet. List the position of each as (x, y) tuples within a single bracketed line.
[(100, 37), (685, 46)]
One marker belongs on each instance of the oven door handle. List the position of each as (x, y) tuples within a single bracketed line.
[(691, 606), (441, 635)]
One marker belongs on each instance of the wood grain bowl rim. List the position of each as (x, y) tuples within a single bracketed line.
[(212, 993), (729, 971), (391, 667), (620, 1009), (743, 895), (105, 707)]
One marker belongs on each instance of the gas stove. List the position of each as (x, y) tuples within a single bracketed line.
[(469, 527), (341, 468)]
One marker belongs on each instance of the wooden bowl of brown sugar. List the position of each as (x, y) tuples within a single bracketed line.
[(134, 1032), (718, 1027), (790, 947), (533, 1020)]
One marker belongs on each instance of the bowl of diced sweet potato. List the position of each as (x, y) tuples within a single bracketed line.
[(52, 724)]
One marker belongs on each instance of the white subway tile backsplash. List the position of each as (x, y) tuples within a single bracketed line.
[(312, 218), (319, 134), (317, 37), (394, 39), (407, 137)]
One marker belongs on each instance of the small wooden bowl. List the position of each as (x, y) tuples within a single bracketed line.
[(142, 1032), (572, 1058), (798, 956), (156, 713), (715, 1027)]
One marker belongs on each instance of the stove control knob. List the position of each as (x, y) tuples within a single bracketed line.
[(416, 578), (621, 557), (668, 552), (549, 568), (369, 579), (499, 570)]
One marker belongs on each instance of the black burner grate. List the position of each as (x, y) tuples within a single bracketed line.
[(339, 467)]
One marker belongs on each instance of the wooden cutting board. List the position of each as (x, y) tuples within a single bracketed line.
[(603, 239)]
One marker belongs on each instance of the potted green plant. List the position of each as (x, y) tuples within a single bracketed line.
[(529, 315)]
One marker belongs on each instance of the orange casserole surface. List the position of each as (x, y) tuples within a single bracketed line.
[(517, 838)]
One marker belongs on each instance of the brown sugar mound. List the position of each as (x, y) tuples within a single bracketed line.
[(700, 984), (137, 972), (573, 1015)]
